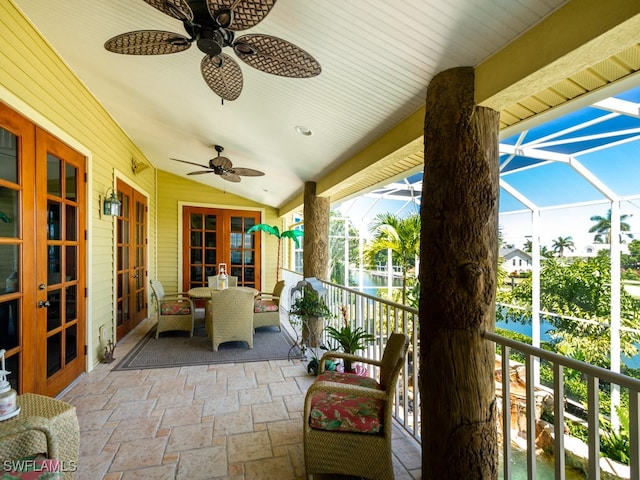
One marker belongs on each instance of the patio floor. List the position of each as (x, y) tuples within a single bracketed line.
[(235, 421)]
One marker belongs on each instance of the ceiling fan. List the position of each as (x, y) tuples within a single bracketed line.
[(222, 166), (212, 24)]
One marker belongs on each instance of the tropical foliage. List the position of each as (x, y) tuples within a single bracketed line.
[(399, 234), (561, 244), (602, 227), (581, 289)]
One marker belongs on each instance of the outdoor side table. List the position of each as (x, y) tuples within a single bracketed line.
[(62, 422)]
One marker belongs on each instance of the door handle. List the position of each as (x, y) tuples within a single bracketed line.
[(43, 304)]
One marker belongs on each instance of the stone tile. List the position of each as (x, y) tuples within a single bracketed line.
[(202, 464), (93, 441), (130, 394), (249, 446), (294, 403), (87, 403), (264, 377), (136, 428), (271, 469), (94, 420), (209, 390), (253, 396), (176, 416), (160, 472), (190, 437), (241, 383), (221, 406), (93, 466), (269, 412), (131, 410), (145, 452), (202, 378), (233, 423), (279, 389), (286, 432)]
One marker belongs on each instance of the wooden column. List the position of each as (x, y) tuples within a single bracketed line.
[(316, 234), (459, 254)]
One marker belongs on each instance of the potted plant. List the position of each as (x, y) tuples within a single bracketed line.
[(350, 340), (311, 309)]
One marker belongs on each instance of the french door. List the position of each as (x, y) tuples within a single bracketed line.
[(131, 232), (212, 236), (42, 257)]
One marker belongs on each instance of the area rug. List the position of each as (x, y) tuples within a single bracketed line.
[(177, 349)]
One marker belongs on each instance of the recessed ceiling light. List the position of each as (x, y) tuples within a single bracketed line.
[(302, 130)]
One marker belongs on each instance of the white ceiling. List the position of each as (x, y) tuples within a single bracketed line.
[(376, 57)]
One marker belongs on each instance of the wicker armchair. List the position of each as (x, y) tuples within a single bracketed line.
[(44, 425), (175, 311), (266, 309), (229, 316), (360, 446)]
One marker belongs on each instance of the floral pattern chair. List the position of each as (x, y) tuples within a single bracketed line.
[(266, 307), (175, 311), (347, 417)]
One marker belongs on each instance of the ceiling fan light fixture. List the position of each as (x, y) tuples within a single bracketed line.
[(242, 48), (224, 17)]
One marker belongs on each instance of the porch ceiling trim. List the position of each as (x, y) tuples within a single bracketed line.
[(582, 47)]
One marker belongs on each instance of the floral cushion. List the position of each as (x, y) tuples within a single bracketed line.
[(346, 412), (261, 306), (175, 307), (35, 467)]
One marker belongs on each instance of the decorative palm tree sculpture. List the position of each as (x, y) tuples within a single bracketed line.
[(273, 230)]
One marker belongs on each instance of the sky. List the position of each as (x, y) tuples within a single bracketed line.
[(603, 140)]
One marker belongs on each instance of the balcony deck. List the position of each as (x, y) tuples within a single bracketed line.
[(237, 421)]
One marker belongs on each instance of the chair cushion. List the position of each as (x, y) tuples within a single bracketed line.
[(35, 467), (346, 412), (261, 306), (175, 307)]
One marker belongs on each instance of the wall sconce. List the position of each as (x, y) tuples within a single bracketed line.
[(111, 204), (137, 167)]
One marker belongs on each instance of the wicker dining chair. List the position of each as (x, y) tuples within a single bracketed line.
[(266, 308), (175, 311), (347, 418), (229, 316)]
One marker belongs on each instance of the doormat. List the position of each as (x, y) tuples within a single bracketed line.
[(177, 349)]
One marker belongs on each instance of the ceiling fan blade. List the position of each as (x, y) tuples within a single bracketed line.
[(147, 42), (230, 177), (200, 172), (245, 13), (174, 8), (223, 75), (276, 56), (247, 172), (190, 163), (222, 162)]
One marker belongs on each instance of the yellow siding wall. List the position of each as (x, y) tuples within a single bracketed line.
[(173, 190), (37, 83)]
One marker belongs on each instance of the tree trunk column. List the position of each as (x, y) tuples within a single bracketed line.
[(459, 254), (316, 234)]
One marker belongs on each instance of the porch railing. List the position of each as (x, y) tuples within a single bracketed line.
[(381, 317)]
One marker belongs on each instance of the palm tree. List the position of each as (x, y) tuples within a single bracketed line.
[(560, 243), (401, 236), (602, 228), (273, 230)]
